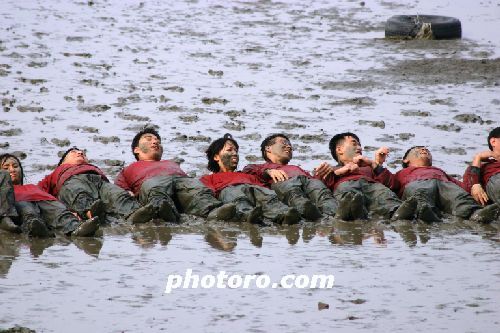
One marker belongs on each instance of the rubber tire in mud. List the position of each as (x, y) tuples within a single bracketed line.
[(443, 27)]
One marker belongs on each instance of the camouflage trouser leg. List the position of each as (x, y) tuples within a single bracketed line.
[(54, 214), (195, 198), (425, 191), (240, 195), (380, 200), (455, 200), (117, 201), (351, 186), (320, 195), (493, 188), (157, 190), (6, 196), (272, 207), (291, 192)]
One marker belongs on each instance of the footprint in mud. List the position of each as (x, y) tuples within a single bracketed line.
[(131, 117), (448, 127), (189, 119), (234, 113), (215, 73), (90, 82), (359, 101), (236, 125), (32, 81), (106, 139), (209, 101), (173, 108), (448, 101), (25, 108), (94, 108), (372, 123), (83, 55), (291, 96), (469, 118), (415, 113), (61, 143), (35, 64), (11, 132), (174, 89)]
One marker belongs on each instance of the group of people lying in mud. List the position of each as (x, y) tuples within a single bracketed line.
[(77, 196)]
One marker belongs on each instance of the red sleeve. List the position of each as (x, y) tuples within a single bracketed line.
[(388, 179), (255, 169), (207, 181), (121, 181), (329, 181), (471, 177), (44, 184), (453, 180)]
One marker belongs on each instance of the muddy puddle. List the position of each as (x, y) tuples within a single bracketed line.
[(92, 73)]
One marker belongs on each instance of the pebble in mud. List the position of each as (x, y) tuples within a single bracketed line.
[(94, 108), (323, 306), (236, 125), (209, 101), (32, 81), (175, 89), (360, 101), (234, 113), (448, 127), (215, 73), (469, 118), (439, 101), (11, 132), (415, 113), (25, 108), (189, 119), (372, 123), (106, 139)]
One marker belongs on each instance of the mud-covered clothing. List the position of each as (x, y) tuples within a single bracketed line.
[(246, 191), (220, 180), (410, 174), (53, 182), (158, 181), (297, 189), (259, 170), (133, 176), (488, 175), (31, 192), (54, 214), (7, 198), (371, 183)]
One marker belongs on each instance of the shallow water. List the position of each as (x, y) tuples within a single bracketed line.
[(94, 74)]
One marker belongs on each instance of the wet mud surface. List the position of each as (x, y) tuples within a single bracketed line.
[(91, 74)]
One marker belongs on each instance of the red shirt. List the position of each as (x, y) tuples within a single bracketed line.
[(31, 192), (53, 182), (132, 176), (380, 175), (220, 180), (258, 170), (407, 175), (475, 175)]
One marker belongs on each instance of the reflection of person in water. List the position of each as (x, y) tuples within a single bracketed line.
[(293, 185), (9, 251), (39, 212), (147, 236), (251, 198)]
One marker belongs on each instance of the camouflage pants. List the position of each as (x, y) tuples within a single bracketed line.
[(493, 188), (53, 213)]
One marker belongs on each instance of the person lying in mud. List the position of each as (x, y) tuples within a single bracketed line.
[(162, 184), (39, 212), (293, 185), (482, 178), (436, 191), (85, 190), (358, 183), (252, 199)]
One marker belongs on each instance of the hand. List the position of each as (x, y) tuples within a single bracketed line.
[(482, 156), (131, 193), (323, 170), (277, 175), (361, 161), (479, 194), (346, 169), (381, 154)]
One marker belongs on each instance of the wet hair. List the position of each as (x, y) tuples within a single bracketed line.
[(5, 157), (215, 148), (137, 137), (66, 154), (269, 141), (337, 140), (405, 164), (495, 133)]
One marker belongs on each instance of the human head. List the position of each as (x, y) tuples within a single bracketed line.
[(222, 154), (417, 156), (494, 139), (13, 166), (73, 155), (277, 148), (344, 146), (146, 145)]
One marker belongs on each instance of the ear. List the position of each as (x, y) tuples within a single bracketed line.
[(407, 161), (216, 158), (338, 150), (136, 150), (493, 141)]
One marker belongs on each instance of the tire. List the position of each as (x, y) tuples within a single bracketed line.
[(407, 26)]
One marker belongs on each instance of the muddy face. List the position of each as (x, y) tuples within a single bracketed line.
[(149, 148), (12, 166), (280, 151), (75, 156), (228, 157), (348, 149), (419, 156)]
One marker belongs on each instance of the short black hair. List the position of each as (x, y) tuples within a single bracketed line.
[(5, 157), (495, 133), (404, 164), (66, 154), (337, 140), (215, 148), (269, 141), (137, 137)]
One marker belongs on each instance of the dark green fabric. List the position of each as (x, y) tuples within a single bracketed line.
[(296, 191), (189, 194), (493, 188), (247, 196), (445, 196), (80, 191), (378, 199), (54, 214), (6, 195)]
